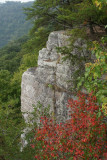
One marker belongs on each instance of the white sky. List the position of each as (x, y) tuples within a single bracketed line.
[(16, 0)]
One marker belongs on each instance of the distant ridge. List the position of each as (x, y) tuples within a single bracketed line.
[(13, 24)]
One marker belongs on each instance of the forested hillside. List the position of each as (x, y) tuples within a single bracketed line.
[(84, 136), (13, 22)]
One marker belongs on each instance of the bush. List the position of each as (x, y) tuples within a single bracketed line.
[(95, 74), (81, 137)]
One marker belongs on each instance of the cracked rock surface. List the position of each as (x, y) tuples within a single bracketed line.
[(51, 71)]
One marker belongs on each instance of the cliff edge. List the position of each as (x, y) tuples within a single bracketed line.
[(49, 83)]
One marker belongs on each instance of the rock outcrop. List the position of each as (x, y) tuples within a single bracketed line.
[(49, 83)]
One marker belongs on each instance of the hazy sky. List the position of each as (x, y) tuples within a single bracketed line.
[(16, 0)]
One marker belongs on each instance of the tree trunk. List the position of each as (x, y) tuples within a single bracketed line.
[(68, 2), (91, 28), (2, 158), (106, 30)]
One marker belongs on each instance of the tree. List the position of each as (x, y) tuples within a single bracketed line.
[(95, 75), (13, 24), (66, 14), (11, 127), (10, 55), (100, 3), (4, 84)]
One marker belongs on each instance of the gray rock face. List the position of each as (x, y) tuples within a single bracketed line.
[(50, 82)]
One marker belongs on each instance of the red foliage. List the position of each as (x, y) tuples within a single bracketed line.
[(82, 137)]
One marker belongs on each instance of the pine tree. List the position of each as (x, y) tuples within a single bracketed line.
[(62, 14)]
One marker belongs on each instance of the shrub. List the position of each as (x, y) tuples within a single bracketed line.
[(81, 137)]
